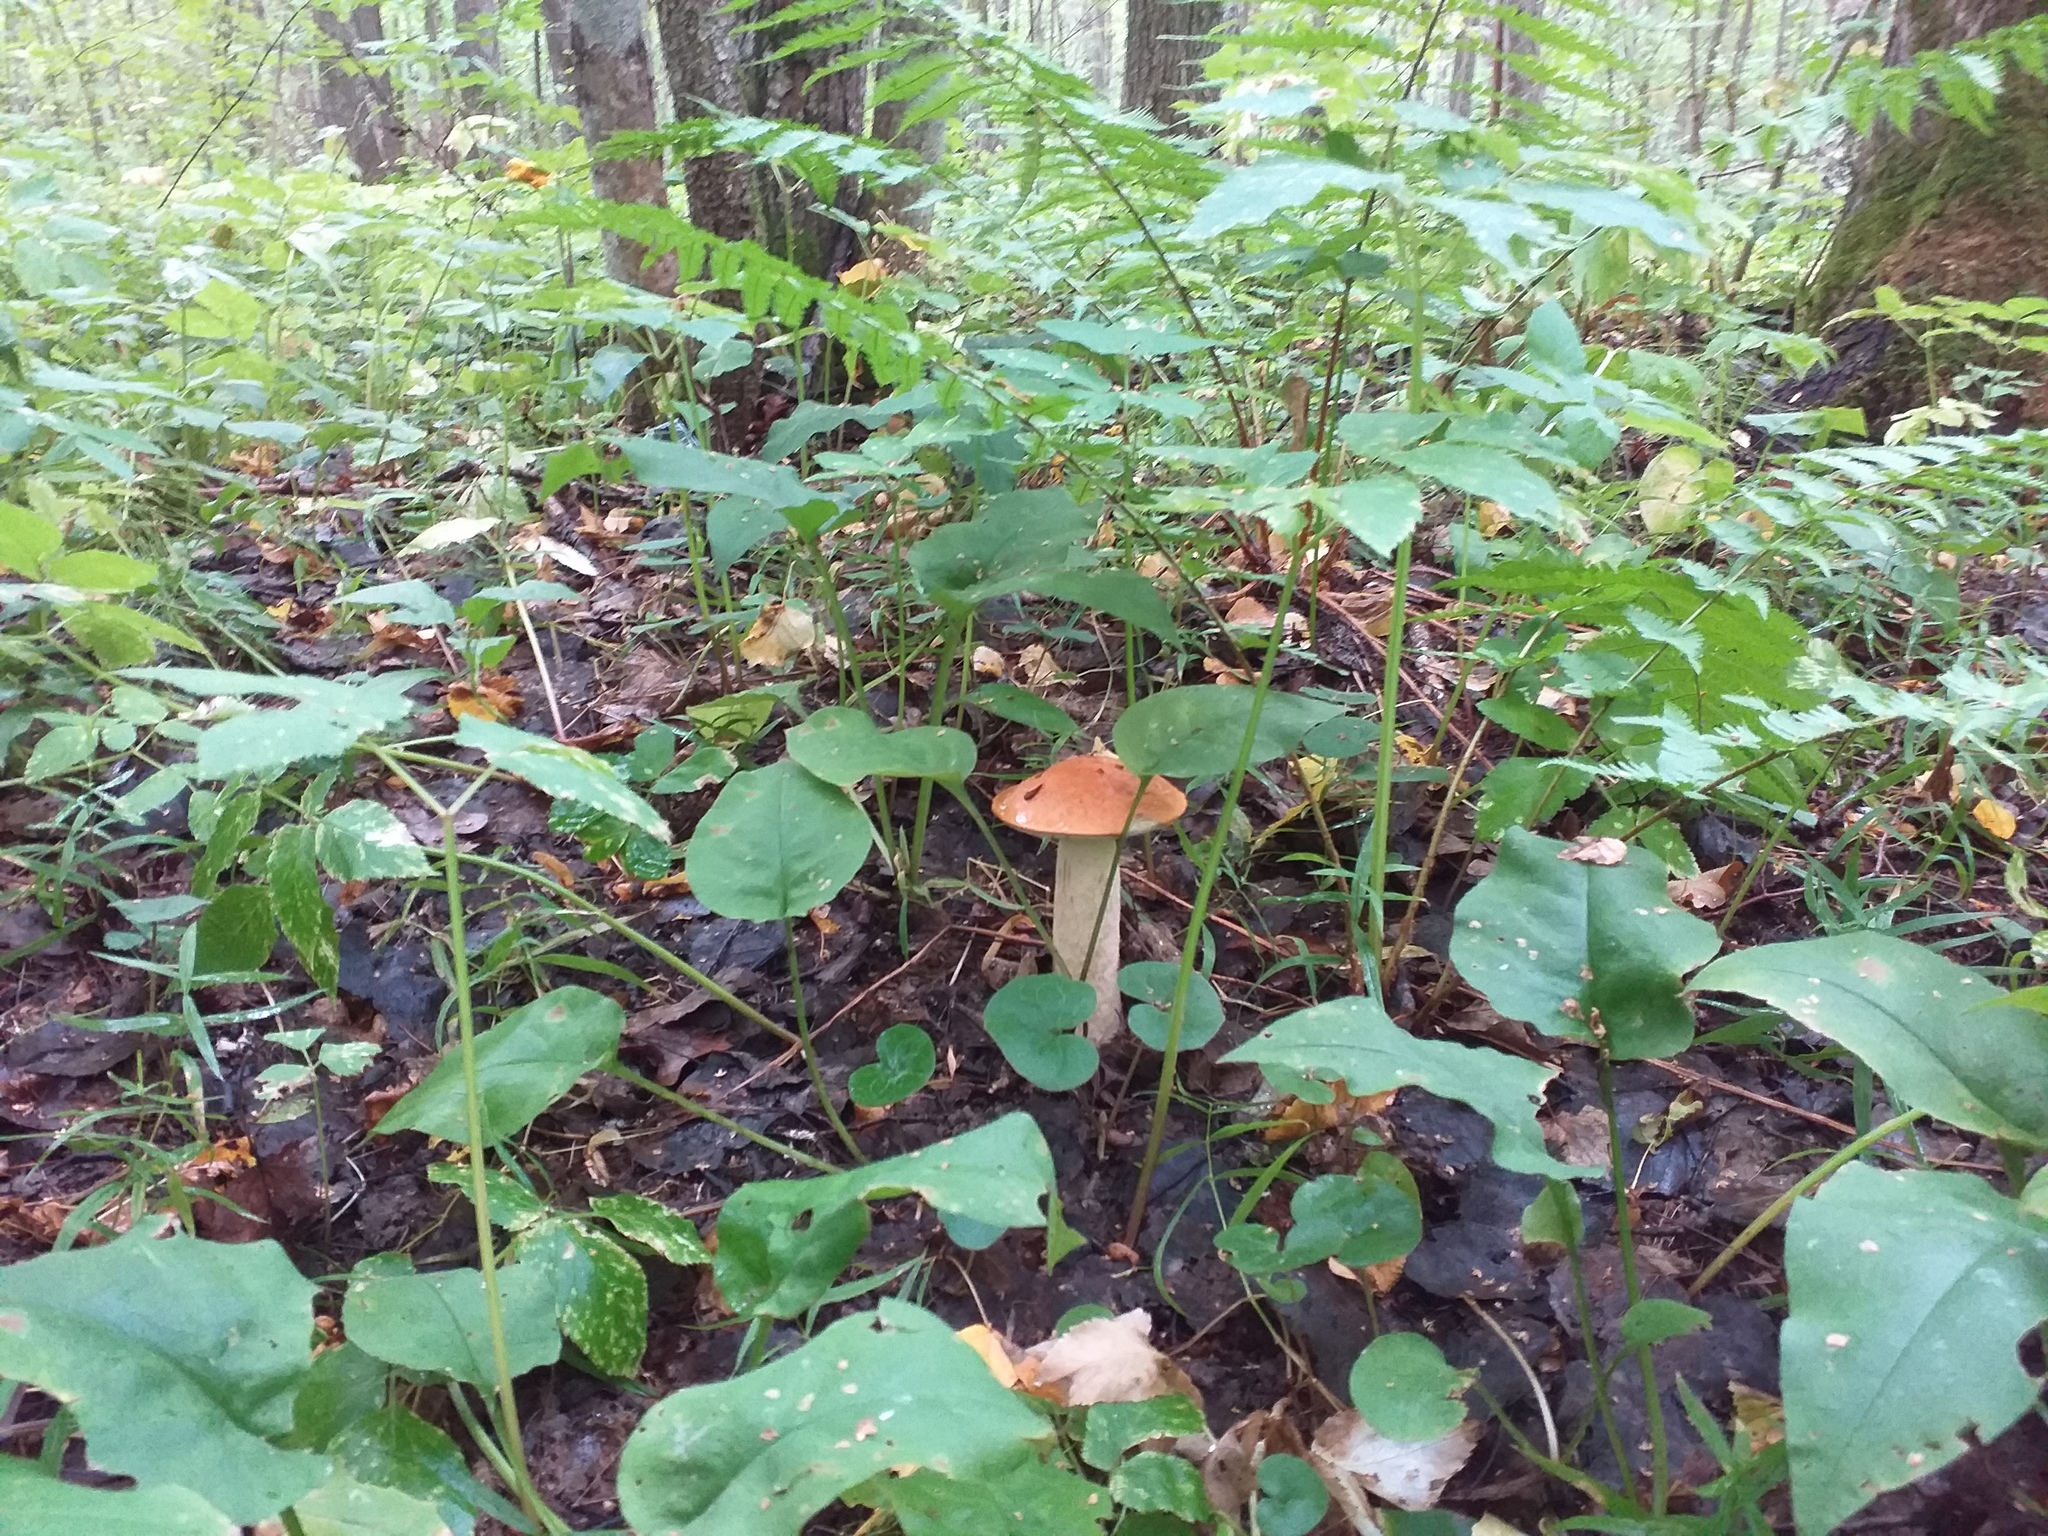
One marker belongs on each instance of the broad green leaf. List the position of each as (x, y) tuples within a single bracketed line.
[(1610, 208), (1554, 1218), (60, 750), (524, 1063), (437, 1322), (1113, 1428), (1006, 701), (33, 1503), (302, 912), (1657, 1318), (1153, 1480), (737, 524), (759, 1454), (26, 541), (1353, 1041), (777, 842), (1381, 510), (843, 746), (600, 1291), (120, 636), (1122, 340), (782, 1243), (234, 818), (327, 719), (513, 1206), (673, 466), (561, 772), (1403, 1387), (392, 1447), (100, 570), (578, 461), (410, 602), (1909, 1295), (1198, 732), (1020, 534), (653, 1225), (237, 932), (1552, 941), (1035, 1023), (1122, 595), (904, 1060), (1484, 472), (363, 840), (1152, 983), (1670, 489), (1274, 183), (735, 719), (342, 1506), (1292, 1499), (179, 1358), (1015, 1493), (1358, 1219), (1943, 1039)]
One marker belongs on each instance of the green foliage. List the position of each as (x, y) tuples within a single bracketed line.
[(843, 746), (438, 1322), (904, 1060), (776, 843), (1036, 1021), (1403, 1387)]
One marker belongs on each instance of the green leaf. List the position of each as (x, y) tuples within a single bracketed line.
[(600, 1291), (904, 1060), (1353, 1041), (1153, 1480), (179, 1358), (1655, 1319), (234, 819), (122, 637), (1275, 182), (759, 1454), (1018, 1493), (1019, 535), (341, 1506), (60, 750), (409, 602), (1197, 733), (329, 718), (26, 540), (668, 465), (100, 570), (1381, 510), (1943, 1039), (1127, 340), (513, 1206), (1909, 1294), (1403, 1387), (524, 1063), (1122, 595), (1034, 1021), (1551, 339), (1484, 472), (1358, 1219), (777, 842), (237, 932), (735, 525), (33, 1503), (1549, 940), (578, 461), (843, 746), (1554, 1218), (437, 1322), (1114, 1428), (302, 912), (1292, 1499), (363, 840), (392, 1447), (561, 772), (1006, 701), (781, 1244), (1152, 983), (653, 1225)]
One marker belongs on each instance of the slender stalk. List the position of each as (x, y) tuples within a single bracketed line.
[(803, 1034), (1783, 1203), (1383, 783), (1653, 1405), (626, 1074), (941, 680)]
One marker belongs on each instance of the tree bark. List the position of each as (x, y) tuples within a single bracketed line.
[(1165, 42), (1515, 86), (476, 53), (705, 56), (352, 99), (614, 89)]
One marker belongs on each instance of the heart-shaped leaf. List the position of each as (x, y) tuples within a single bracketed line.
[(1152, 983), (1197, 733), (180, 1358), (1909, 1294), (1292, 1498), (523, 1064), (759, 1454), (776, 842), (1358, 1219), (904, 1060), (1353, 1041), (1034, 1022), (1403, 1387), (437, 1322), (1945, 1039), (1552, 940), (843, 746)]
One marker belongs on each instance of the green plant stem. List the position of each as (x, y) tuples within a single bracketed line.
[(626, 1074), (1383, 783), (803, 1034), (1624, 1227), (1018, 893), (941, 680), (1198, 912), (1783, 1203), (1601, 1398)]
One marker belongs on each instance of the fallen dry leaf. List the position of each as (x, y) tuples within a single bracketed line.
[(527, 172), (994, 1349), (1407, 1474), (1494, 519), (1996, 818), (1605, 851), (495, 698), (1104, 1360), (1035, 667), (1226, 674), (1579, 1137), (779, 635), (1298, 1117), (561, 872), (988, 661), (864, 279), (1709, 890), (1230, 1465), (1759, 1416)]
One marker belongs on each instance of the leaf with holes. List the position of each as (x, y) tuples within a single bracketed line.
[(1351, 1040), (1909, 1293), (759, 1454), (776, 842), (1552, 941), (523, 1064), (1946, 1040)]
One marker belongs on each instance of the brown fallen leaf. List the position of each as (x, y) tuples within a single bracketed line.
[(1103, 1360), (495, 698), (1298, 1117), (1410, 1475), (1759, 1416), (779, 635), (988, 661), (997, 1352), (1996, 818), (864, 279), (563, 875), (1605, 851), (1709, 890)]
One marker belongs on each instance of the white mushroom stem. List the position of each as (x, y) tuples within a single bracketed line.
[(1085, 884)]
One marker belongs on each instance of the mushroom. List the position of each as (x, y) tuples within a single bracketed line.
[(1085, 805)]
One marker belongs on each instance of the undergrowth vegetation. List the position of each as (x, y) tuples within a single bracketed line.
[(1414, 488)]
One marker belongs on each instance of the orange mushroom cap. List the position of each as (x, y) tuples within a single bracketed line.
[(1087, 797)]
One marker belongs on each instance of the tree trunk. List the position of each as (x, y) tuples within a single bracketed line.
[(1165, 42), (1513, 82), (554, 30), (614, 89), (705, 57), (476, 24), (350, 97)]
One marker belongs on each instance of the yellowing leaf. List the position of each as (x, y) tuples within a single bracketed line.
[(864, 278), (991, 1346), (526, 171), (778, 635), (1996, 818)]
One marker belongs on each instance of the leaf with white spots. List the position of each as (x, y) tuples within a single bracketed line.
[(1910, 1292), (1943, 1038), (600, 1291), (759, 1454), (1558, 932)]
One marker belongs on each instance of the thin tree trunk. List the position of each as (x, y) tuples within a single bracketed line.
[(1740, 59), (1464, 72), (1514, 82), (614, 89), (1165, 42), (476, 22), (353, 99), (705, 56)]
